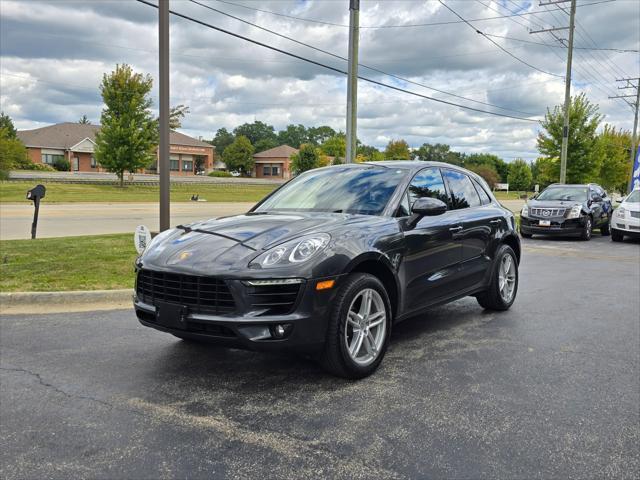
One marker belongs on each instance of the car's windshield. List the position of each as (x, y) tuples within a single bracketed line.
[(364, 190), (634, 197), (564, 193)]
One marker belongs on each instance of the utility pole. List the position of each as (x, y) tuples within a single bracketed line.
[(567, 83), (352, 81), (635, 106), (163, 147)]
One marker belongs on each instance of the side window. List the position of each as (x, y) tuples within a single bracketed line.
[(484, 197), (403, 209), (427, 183), (463, 194)]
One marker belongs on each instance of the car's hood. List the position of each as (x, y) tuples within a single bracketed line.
[(553, 203), (230, 241), (631, 206)]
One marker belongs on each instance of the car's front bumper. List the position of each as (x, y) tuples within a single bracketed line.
[(558, 226), (305, 326), (627, 225)]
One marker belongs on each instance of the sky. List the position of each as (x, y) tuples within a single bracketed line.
[(54, 53)]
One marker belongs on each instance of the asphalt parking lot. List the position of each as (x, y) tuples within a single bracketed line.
[(549, 389)]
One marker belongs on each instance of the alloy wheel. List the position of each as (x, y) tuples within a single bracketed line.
[(366, 327), (507, 278)]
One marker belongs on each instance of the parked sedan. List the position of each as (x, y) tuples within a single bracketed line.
[(329, 262), (567, 210), (626, 219)]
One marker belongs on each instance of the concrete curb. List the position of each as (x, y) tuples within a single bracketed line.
[(32, 302)]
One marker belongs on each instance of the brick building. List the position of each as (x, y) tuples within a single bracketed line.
[(76, 143), (274, 163)]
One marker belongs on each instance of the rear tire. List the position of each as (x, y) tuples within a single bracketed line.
[(357, 335), (616, 236), (504, 282), (587, 230)]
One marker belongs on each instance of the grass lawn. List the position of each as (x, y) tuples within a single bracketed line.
[(80, 192), (502, 195), (100, 262)]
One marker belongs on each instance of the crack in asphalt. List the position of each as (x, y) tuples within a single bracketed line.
[(55, 388)]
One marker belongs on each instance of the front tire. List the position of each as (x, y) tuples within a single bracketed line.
[(504, 281), (525, 235), (616, 236), (587, 230), (359, 328), (605, 230)]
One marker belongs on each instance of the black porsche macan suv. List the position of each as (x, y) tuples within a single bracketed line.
[(567, 210), (328, 262)]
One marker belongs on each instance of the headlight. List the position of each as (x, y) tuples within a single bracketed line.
[(295, 251), (525, 211), (575, 212), (621, 212)]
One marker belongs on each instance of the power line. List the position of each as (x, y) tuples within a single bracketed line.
[(617, 50), (496, 43), (410, 25), (326, 52), (334, 69)]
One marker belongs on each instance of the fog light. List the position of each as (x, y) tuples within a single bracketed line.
[(279, 331)]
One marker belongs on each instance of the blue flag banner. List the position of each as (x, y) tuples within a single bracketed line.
[(635, 175)]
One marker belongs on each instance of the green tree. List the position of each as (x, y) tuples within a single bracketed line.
[(318, 135), (239, 156), (487, 172), (13, 153), (7, 124), (397, 150), (519, 177), (545, 171), (612, 157), (176, 115), (496, 163), (307, 158), (335, 146), (293, 135), (439, 152), (84, 120), (368, 153), (256, 131), (583, 123), (222, 140), (128, 137), (265, 144)]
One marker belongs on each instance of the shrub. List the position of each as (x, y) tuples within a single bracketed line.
[(219, 173), (61, 164)]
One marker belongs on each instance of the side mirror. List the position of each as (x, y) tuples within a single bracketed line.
[(425, 207), (619, 200)]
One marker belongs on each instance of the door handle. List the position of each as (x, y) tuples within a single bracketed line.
[(455, 229)]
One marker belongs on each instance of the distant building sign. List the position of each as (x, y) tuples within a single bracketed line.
[(501, 186)]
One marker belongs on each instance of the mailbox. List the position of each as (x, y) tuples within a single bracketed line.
[(35, 194)]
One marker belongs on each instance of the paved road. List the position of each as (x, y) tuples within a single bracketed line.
[(549, 389), (95, 177), (71, 219)]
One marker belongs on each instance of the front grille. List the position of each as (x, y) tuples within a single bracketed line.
[(200, 294), (635, 214), (548, 212), (273, 299)]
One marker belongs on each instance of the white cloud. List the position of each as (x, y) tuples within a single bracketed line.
[(53, 56)]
